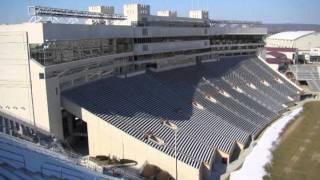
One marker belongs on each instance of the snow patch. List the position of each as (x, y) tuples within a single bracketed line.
[(253, 166)]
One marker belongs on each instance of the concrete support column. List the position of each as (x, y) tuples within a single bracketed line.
[(70, 124), (6, 125), (20, 129), (2, 124), (11, 127), (28, 132), (23, 129)]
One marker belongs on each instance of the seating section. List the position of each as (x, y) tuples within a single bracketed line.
[(309, 73), (216, 105), (20, 159), (314, 85), (305, 71), (263, 71), (8, 171)]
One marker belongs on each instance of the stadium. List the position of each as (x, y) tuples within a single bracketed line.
[(189, 95)]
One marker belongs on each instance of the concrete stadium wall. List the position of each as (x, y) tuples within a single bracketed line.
[(46, 99), (35, 31), (15, 89), (105, 139), (23, 94)]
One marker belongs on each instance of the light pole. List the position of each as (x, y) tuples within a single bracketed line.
[(176, 130), (175, 149)]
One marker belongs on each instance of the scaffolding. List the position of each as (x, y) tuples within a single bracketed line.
[(40, 13)]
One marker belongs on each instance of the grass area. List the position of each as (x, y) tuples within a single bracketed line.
[(297, 157)]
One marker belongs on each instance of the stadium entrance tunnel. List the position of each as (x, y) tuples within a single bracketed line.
[(218, 166), (226, 158), (236, 153), (75, 133), (220, 162)]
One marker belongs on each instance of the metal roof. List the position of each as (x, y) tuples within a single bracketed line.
[(290, 35)]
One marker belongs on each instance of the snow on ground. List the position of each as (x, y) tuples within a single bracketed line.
[(253, 166)]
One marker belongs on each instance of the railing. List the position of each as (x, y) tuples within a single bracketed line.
[(237, 30), (58, 12), (63, 51)]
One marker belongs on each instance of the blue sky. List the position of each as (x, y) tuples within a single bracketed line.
[(269, 11)]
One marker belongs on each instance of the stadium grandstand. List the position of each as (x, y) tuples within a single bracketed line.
[(218, 111), (187, 94)]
